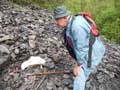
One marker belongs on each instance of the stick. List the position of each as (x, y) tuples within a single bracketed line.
[(40, 82), (47, 73)]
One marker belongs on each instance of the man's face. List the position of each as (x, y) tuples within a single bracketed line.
[(62, 22)]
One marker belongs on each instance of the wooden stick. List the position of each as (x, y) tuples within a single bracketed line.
[(48, 73), (40, 83)]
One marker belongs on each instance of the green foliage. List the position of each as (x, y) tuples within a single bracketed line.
[(108, 20), (73, 5), (106, 13)]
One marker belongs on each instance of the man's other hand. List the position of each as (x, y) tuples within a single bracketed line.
[(76, 70)]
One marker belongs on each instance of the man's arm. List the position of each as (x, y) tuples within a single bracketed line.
[(81, 43)]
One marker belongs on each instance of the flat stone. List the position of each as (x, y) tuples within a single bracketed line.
[(8, 88), (4, 54), (65, 88), (50, 65), (66, 76), (58, 83), (16, 51), (55, 58), (7, 37), (32, 43), (1, 15), (67, 82), (50, 85), (60, 88)]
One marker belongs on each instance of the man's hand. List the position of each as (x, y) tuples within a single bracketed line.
[(76, 70)]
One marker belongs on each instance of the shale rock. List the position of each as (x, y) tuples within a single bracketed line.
[(30, 31), (4, 54)]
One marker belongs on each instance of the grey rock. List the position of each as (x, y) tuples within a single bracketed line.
[(24, 46), (17, 51), (4, 54), (65, 88), (58, 83), (67, 82), (8, 88), (66, 76), (2, 2), (102, 87), (1, 15), (32, 42), (50, 65), (55, 58), (7, 37), (50, 85), (60, 88), (70, 86)]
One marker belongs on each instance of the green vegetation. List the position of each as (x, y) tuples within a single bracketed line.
[(106, 13)]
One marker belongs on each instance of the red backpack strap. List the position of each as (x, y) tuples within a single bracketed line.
[(93, 34), (94, 27)]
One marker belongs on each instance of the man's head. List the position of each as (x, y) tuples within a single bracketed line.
[(61, 16)]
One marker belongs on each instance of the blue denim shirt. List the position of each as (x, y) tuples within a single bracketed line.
[(80, 34)]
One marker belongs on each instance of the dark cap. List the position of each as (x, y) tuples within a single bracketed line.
[(60, 12)]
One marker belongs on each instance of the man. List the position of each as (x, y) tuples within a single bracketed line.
[(77, 38)]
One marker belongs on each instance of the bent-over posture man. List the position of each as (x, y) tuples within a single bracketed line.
[(78, 35)]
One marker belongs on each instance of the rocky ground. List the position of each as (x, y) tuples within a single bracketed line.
[(30, 31)]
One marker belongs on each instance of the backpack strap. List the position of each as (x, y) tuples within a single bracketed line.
[(94, 27), (92, 36), (91, 42)]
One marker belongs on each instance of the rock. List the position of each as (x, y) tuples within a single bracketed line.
[(32, 41), (1, 15), (32, 37), (7, 77), (67, 82), (4, 54), (102, 87), (2, 85), (16, 76), (16, 51), (50, 65), (13, 56), (66, 76), (113, 84), (71, 86), (8, 88), (60, 88), (65, 88), (50, 85), (58, 83), (2, 2), (7, 37), (23, 46), (55, 58)]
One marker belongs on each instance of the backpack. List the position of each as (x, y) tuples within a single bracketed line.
[(93, 34)]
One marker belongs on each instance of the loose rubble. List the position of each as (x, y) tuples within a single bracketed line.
[(32, 32)]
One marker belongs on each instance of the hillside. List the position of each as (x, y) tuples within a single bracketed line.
[(29, 31)]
